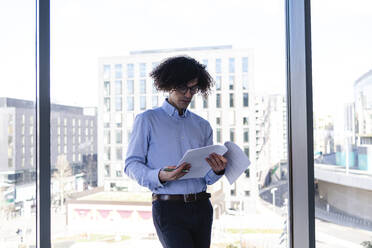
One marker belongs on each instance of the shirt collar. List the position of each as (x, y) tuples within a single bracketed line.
[(172, 111)]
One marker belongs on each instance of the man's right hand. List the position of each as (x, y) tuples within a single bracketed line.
[(174, 172)]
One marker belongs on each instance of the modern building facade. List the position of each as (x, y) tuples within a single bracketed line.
[(73, 140), (125, 89), (271, 134)]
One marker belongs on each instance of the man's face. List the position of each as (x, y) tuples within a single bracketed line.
[(180, 99)]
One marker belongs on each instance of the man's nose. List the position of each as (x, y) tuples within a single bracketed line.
[(188, 93)]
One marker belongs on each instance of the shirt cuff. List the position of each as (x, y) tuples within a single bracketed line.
[(221, 173), (212, 177), (154, 178)]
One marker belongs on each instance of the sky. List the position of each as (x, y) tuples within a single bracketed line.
[(84, 30)]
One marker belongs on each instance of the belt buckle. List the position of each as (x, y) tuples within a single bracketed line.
[(186, 198)]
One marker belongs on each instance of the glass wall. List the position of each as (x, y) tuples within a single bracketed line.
[(93, 202), (17, 124), (342, 83)]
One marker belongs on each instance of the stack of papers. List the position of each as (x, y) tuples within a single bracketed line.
[(237, 161)]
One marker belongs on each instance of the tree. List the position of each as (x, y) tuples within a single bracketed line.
[(367, 244), (63, 170)]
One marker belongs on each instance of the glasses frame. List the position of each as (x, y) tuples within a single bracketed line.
[(183, 89)]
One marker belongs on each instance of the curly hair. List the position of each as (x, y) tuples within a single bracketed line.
[(177, 71)]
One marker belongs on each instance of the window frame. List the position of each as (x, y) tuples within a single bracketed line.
[(300, 126)]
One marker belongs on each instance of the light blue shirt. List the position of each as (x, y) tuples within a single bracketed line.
[(159, 138)]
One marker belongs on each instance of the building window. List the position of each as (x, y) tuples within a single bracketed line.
[(143, 86), (142, 70), (246, 151), (118, 87), (218, 121), (130, 87), (205, 102), (245, 64), (129, 133), (107, 170), (245, 121), (119, 153), (245, 100), (106, 120), (154, 90), (192, 103), (245, 82), (130, 70), (118, 103), (232, 134), (106, 71), (118, 71), (119, 135), (231, 65), (10, 162), (118, 120), (106, 88), (154, 101), (107, 153), (218, 82), (246, 135), (119, 173), (218, 66), (218, 135), (231, 82), (142, 102), (218, 100), (130, 103), (205, 62), (106, 104), (107, 137), (231, 100)]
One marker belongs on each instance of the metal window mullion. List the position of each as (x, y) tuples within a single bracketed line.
[(300, 124), (43, 232)]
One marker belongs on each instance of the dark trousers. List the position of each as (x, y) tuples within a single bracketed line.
[(183, 225)]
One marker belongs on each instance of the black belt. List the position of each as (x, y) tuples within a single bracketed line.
[(185, 198)]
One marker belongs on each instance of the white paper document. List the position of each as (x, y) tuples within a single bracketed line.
[(237, 161)]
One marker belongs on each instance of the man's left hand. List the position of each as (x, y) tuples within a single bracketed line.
[(216, 162)]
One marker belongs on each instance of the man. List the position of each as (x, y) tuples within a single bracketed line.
[(181, 209)]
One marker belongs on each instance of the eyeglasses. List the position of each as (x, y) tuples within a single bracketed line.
[(183, 89)]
